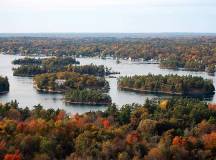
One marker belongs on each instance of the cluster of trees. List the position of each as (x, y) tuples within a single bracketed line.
[(161, 129), (171, 84), (58, 75), (87, 96), (69, 80), (28, 70), (197, 53), (27, 61), (4, 84), (97, 70), (31, 66), (59, 63), (195, 65)]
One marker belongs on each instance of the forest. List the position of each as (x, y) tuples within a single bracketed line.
[(169, 84), (4, 85), (28, 70), (196, 53), (160, 129), (97, 70), (87, 96), (27, 61), (62, 81), (81, 84), (29, 67)]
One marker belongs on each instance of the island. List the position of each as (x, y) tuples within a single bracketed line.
[(87, 97), (4, 85), (53, 61), (49, 66), (62, 81), (29, 67), (27, 61), (169, 84)]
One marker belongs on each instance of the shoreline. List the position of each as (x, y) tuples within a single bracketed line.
[(4, 92), (162, 92), (23, 75), (46, 90), (88, 103)]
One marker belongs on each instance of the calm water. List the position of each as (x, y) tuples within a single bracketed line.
[(22, 90)]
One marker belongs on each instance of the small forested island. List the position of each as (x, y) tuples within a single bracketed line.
[(30, 67), (61, 81), (27, 61), (53, 61), (4, 85), (87, 96), (169, 84), (160, 129)]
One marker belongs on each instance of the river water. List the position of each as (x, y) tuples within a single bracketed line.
[(21, 88)]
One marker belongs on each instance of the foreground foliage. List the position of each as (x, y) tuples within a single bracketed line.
[(158, 130)]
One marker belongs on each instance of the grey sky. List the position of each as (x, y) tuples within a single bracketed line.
[(107, 16)]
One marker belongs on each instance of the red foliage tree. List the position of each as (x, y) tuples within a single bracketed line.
[(212, 107), (132, 138), (210, 140), (106, 123), (16, 156)]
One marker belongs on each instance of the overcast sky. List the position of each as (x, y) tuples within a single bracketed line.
[(21, 16)]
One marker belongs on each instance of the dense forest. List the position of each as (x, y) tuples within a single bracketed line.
[(4, 84), (27, 61), (28, 70), (196, 53), (170, 84), (30, 67), (87, 96), (61, 74), (161, 129), (58, 63), (62, 81), (97, 70)]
